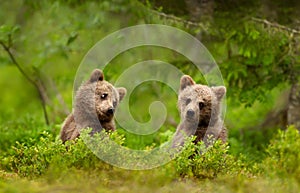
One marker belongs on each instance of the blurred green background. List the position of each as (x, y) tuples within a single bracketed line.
[(255, 44)]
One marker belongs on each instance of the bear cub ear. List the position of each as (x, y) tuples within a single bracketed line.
[(219, 91), (122, 92), (186, 81), (97, 75)]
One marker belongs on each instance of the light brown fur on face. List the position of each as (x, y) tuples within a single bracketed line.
[(95, 105), (200, 108), (106, 98)]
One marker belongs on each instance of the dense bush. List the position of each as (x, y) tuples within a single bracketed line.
[(36, 157), (283, 155), (209, 162), (48, 158)]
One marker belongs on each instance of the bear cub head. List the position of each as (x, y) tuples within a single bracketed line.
[(96, 101), (199, 103), (107, 97)]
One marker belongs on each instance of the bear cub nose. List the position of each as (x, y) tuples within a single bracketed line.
[(110, 111), (190, 113)]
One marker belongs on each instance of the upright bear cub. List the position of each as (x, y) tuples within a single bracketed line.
[(199, 108), (95, 101)]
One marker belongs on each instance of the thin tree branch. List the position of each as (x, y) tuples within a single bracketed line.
[(7, 49), (9, 40), (276, 25), (34, 83), (177, 19)]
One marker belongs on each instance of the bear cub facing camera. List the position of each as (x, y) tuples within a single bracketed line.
[(95, 104), (200, 110)]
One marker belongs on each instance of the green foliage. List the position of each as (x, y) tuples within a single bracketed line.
[(27, 129), (246, 135), (200, 162), (51, 37), (46, 155), (283, 156), (250, 60), (7, 33), (31, 160)]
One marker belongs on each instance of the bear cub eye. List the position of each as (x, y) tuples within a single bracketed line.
[(201, 105), (187, 101), (104, 95)]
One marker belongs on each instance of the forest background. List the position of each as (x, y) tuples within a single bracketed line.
[(255, 44)]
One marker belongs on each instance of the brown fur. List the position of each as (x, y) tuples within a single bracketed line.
[(199, 108), (95, 104)]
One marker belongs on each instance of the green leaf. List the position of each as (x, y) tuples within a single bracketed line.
[(72, 38), (6, 31)]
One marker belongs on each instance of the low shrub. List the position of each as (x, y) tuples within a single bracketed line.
[(34, 160), (198, 161), (283, 155)]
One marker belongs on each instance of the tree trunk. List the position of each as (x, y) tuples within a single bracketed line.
[(200, 10), (293, 113)]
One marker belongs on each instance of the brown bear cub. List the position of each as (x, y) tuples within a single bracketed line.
[(200, 110), (95, 104)]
